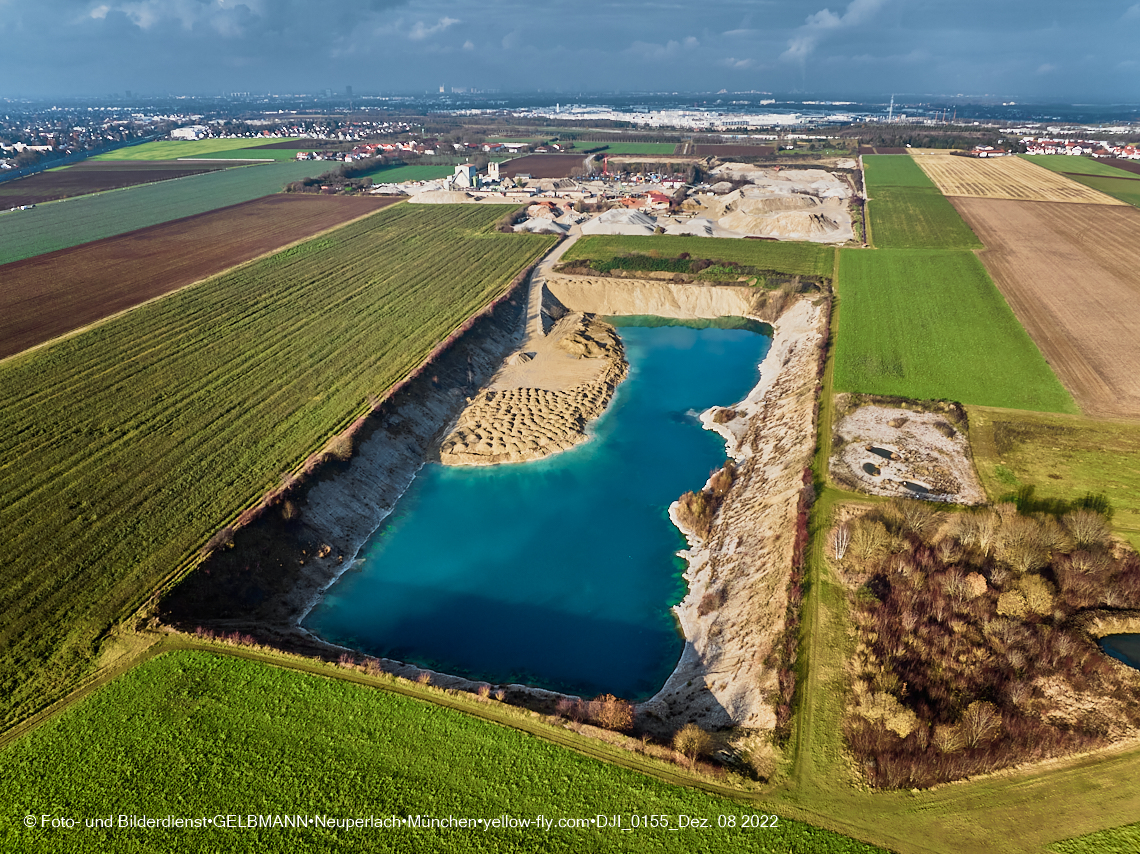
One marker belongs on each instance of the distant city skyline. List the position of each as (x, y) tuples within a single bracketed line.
[(1047, 50)]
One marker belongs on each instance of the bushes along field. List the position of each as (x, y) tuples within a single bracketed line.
[(803, 259), (970, 651), (906, 210), (930, 325), (71, 222), (198, 734), (1060, 456), (127, 446)]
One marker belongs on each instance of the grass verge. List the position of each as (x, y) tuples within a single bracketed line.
[(1061, 457)]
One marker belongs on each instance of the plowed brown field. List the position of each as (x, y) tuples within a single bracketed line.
[(1005, 178), (95, 177), (1071, 274), (49, 295)]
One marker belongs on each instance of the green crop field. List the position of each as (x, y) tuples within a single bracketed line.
[(894, 170), (631, 147), (197, 734), (127, 446), (932, 325), (1061, 457), (906, 210), (413, 172), (172, 149), (803, 259), (70, 222), (909, 218), (1109, 180)]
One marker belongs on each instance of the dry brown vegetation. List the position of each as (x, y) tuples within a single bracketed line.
[(1071, 274), (697, 510), (1005, 178), (970, 650), (49, 295)]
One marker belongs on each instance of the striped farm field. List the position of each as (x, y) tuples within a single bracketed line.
[(49, 295), (123, 448), (71, 222), (1005, 178), (931, 325), (1118, 183), (173, 149)]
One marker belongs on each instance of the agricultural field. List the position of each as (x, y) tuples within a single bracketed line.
[(173, 149), (909, 218), (85, 178), (1005, 178), (412, 172), (543, 165), (931, 325), (1072, 276), (246, 738), (882, 171), (1118, 183), (635, 148), (1061, 457), (803, 259), (70, 222), (128, 445), (730, 150), (52, 294)]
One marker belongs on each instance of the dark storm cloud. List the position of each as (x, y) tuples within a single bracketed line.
[(1022, 49)]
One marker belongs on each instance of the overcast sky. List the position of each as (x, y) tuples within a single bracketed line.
[(1041, 50)]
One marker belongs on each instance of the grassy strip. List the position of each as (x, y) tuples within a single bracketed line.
[(804, 259), (24, 234), (129, 444), (631, 147), (243, 738), (894, 170), (1069, 165), (1060, 457), (931, 325)]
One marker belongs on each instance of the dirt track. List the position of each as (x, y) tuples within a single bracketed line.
[(49, 295), (1071, 274)]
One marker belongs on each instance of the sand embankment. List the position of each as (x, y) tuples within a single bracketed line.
[(541, 401), (734, 612), (622, 296)]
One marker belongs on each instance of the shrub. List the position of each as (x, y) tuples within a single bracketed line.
[(610, 712), (691, 742)]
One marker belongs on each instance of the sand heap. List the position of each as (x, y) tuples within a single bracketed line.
[(788, 204), (441, 197), (580, 363), (620, 221), (542, 225)]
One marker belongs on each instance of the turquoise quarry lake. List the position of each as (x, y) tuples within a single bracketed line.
[(558, 573)]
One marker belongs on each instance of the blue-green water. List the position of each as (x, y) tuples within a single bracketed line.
[(558, 573), (1125, 648)]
